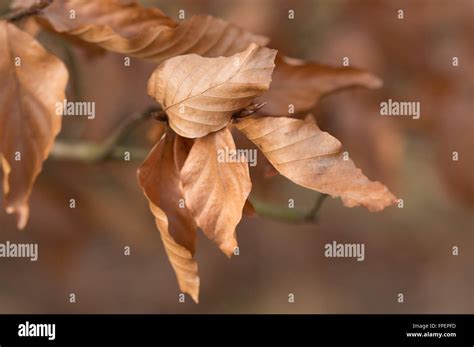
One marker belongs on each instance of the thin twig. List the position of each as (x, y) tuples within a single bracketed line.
[(288, 215), (160, 116), (89, 152), (32, 11), (313, 215), (111, 148), (126, 127)]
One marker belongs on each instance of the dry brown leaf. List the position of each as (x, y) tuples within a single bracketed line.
[(131, 29), (301, 84), (263, 169), (350, 119), (159, 178), (27, 24), (216, 189), (28, 119), (200, 94), (182, 147), (300, 151)]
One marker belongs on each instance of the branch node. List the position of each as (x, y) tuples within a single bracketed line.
[(249, 110), (160, 116)]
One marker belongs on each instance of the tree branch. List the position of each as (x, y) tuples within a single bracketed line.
[(89, 152), (111, 148)]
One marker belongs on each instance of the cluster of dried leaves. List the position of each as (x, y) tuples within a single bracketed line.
[(209, 71)]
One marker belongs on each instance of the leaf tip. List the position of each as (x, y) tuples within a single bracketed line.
[(373, 82), (195, 297), (22, 214), (228, 247), (191, 288)]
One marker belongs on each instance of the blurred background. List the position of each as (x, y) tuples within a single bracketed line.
[(407, 250)]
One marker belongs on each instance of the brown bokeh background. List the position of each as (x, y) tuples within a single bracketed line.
[(407, 250)]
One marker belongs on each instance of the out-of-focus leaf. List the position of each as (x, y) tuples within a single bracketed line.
[(33, 81), (131, 29), (297, 85)]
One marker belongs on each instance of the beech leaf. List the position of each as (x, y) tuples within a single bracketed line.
[(33, 81), (128, 28), (160, 180), (312, 158), (215, 188), (298, 85), (200, 95)]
